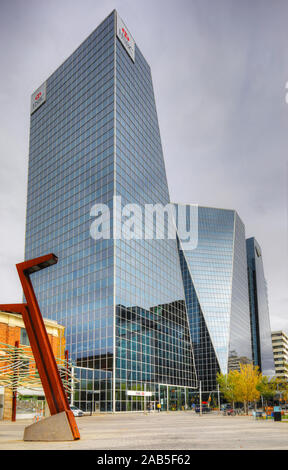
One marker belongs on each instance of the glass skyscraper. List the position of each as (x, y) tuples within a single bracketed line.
[(146, 318), (94, 135), (216, 290), (259, 310)]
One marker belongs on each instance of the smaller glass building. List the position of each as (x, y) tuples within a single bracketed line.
[(216, 292), (259, 310)]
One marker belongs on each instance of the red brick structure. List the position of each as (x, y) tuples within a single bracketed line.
[(12, 329)]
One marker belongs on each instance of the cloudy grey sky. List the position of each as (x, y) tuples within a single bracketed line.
[(219, 70)]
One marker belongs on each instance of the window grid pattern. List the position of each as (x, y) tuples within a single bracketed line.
[(204, 354), (153, 344), (216, 288), (71, 167), (259, 310)]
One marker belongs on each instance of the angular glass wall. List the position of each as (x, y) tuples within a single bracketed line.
[(71, 166), (259, 310), (206, 362), (95, 137), (153, 344), (240, 350), (215, 280)]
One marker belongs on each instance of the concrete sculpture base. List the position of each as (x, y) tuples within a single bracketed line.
[(54, 428)]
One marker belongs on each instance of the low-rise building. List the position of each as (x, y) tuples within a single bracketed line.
[(280, 351), (17, 365)]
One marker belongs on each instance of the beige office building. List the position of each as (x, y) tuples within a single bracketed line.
[(280, 351)]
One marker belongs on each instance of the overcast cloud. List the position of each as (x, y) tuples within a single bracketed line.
[(219, 70)]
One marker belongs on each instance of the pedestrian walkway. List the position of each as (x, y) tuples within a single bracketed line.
[(183, 430)]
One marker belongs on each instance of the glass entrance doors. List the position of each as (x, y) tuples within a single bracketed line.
[(173, 398), (177, 399)]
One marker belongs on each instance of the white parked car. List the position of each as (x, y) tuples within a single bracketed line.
[(76, 411)]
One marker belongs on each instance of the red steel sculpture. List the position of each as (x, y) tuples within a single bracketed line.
[(39, 341)]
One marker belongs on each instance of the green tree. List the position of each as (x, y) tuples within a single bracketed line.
[(268, 388), (282, 388)]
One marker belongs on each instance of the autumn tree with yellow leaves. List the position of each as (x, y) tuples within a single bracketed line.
[(241, 385)]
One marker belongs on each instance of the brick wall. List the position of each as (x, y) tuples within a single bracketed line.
[(10, 332)]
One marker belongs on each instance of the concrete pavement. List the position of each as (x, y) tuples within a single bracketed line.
[(183, 430)]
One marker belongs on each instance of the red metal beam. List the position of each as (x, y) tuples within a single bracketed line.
[(39, 341)]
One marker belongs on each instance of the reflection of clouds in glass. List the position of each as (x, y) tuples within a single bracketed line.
[(148, 221), (216, 290)]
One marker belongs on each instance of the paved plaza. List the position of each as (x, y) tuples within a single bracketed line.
[(159, 431)]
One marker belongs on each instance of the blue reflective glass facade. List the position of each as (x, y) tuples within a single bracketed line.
[(206, 361), (216, 290), (259, 310), (153, 341), (122, 301)]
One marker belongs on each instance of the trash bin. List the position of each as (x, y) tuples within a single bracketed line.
[(277, 413)]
